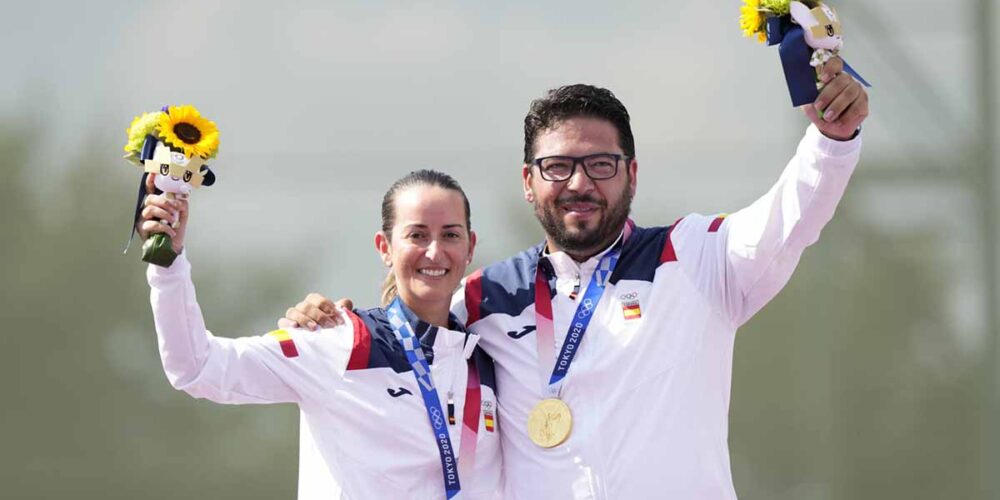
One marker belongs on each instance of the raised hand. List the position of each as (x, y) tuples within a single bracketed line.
[(842, 104), (163, 215)]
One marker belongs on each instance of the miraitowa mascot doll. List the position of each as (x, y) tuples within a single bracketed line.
[(809, 33), (172, 145)]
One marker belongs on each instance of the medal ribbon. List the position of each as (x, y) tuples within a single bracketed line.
[(545, 331), (432, 402), (470, 422)]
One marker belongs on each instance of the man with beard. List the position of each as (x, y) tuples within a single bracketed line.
[(613, 343)]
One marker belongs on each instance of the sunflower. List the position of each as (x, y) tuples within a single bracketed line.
[(183, 127), (752, 20), (141, 126)]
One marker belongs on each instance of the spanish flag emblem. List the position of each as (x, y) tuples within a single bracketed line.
[(488, 416), (286, 343), (632, 311)]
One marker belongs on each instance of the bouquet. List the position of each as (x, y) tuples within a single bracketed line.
[(809, 33), (172, 145)]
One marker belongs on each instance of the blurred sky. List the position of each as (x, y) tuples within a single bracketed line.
[(322, 104)]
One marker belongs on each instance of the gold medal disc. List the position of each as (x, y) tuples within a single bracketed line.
[(550, 423)]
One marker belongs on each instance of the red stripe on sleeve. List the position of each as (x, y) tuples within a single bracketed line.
[(288, 348), (668, 254), (543, 300), (473, 296), (362, 344), (716, 224)]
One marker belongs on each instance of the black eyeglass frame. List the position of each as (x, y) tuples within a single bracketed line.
[(537, 162)]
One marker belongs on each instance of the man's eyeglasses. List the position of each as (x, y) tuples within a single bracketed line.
[(597, 166)]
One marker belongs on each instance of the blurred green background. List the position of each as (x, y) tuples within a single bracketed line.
[(873, 375)]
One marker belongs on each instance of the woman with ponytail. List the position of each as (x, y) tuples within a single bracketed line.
[(396, 402)]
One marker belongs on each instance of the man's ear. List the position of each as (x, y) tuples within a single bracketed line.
[(383, 248), (529, 196), (633, 170)]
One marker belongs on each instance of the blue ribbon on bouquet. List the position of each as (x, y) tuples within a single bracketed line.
[(795, 55)]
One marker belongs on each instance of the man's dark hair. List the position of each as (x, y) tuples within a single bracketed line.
[(572, 101)]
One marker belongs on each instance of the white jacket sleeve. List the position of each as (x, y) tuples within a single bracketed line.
[(743, 260), (284, 366)]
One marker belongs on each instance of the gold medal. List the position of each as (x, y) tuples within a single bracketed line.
[(550, 423)]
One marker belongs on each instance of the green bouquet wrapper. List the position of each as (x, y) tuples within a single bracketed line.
[(158, 249)]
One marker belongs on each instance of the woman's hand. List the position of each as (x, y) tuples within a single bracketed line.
[(163, 215)]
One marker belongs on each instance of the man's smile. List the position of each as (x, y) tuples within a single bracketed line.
[(581, 209)]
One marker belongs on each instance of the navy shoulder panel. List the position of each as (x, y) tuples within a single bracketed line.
[(508, 286), (487, 373), (384, 350), (642, 254)]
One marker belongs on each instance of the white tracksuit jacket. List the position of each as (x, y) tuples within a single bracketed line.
[(365, 432), (649, 387)]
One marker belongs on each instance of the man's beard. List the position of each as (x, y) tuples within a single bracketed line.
[(585, 242)]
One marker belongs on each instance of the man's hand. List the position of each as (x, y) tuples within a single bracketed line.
[(315, 310), (842, 104), (159, 213)]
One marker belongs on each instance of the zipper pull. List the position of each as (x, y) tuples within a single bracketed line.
[(576, 288), (451, 408)]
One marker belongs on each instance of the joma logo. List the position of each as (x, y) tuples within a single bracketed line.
[(398, 392), (524, 331)]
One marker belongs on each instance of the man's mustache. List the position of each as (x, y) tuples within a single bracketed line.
[(581, 199)]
